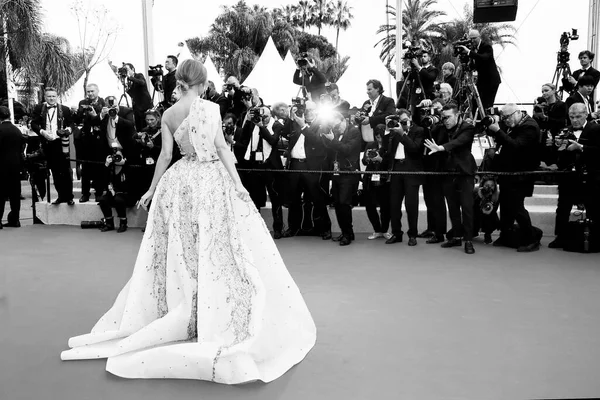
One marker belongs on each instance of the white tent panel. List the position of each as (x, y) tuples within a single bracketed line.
[(103, 76), (212, 73), (184, 53)]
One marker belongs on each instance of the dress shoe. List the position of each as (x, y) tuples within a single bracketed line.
[(394, 239), (109, 225), (469, 249), (375, 235), (535, 246), (454, 242), (58, 201), (338, 238), (15, 224), (122, 225), (277, 234), (412, 241), (71, 202), (289, 233), (556, 244), (1, 225), (487, 238), (345, 241), (326, 235), (426, 234), (434, 240), (84, 199)]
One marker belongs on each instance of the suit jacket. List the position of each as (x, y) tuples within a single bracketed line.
[(315, 83), (316, 153), (345, 148), (38, 122), (274, 160), (577, 97), (413, 148), (11, 149), (457, 144), (427, 76), (83, 117), (125, 133), (590, 156), (385, 107), (487, 71), (138, 91), (169, 84), (222, 101), (591, 71)]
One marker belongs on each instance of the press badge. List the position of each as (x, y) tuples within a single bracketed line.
[(149, 161), (375, 178)]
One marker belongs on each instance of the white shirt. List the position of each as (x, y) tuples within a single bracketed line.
[(51, 123), (374, 105), (298, 150), (255, 140), (400, 155), (111, 132)]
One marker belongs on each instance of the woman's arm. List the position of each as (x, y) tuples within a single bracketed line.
[(165, 156), (225, 154)]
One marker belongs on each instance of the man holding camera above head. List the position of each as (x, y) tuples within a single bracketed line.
[(309, 77), (579, 150), (585, 59), (517, 150), (260, 152), (488, 77), (404, 154), (52, 121), (140, 97), (344, 142), (87, 145), (455, 137), (169, 81), (306, 152)]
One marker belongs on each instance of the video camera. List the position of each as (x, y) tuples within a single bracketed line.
[(302, 60), (300, 104), (411, 51), (123, 71), (463, 41), (156, 70), (563, 55)]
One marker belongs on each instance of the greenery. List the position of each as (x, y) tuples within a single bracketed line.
[(422, 27), (239, 34)]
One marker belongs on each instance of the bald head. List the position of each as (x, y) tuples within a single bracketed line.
[(510, 108), (511, 114)]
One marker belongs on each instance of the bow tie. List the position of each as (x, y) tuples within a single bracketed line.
[(54, 106)]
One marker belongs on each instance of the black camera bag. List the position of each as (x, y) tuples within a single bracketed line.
[(575, 237)]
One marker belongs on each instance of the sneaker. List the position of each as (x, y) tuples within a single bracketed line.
[(387, 235), (376, 235)]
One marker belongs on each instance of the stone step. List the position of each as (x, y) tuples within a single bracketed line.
[(542, 216)]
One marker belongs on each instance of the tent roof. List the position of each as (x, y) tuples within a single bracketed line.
[(103, 76), (353, 82), (184, 53), (212, 73)]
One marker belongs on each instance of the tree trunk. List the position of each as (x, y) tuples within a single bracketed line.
[(337, 36), (85, 81)]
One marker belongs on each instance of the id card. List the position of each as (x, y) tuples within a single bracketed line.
[(375, 178), (149, 161)]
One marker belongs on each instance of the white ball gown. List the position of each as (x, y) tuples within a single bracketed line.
[(210, 297)]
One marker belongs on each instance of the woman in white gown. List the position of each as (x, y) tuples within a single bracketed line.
[(210, 297)]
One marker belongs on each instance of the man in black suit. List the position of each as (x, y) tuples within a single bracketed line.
[(306, 151), (344, 142), (140, 97), (420, 70), (582, 155), (455, 137), (308, 76), (337, 103), (585, 87), (169, 81), (585, 59), (52, 122), (87, 145), (259, 144), (380, 105), (405, 154), (488, 77), (517, 150), (11, 162), (211, 94)]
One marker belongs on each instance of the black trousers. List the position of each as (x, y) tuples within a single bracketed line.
[(308, 183), (488, 94), (378, 196), (512, 208), (433, 194), (10, 186), (93, 175), (404, 188), (261, 183), (572, 191), (60, 167), (342, 190), (119, 201), (458, 191)]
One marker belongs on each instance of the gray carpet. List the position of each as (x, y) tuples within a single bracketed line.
[(393, 322)]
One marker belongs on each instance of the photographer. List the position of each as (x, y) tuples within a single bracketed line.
[(87, 145), (309, 77), (448, 70), (138, 91), (488, 77), (549, 113), (169, 81), (579, 150), (585, 59), (376, 108), (212, 95), (455, 138), (420, 70), (344, 141), (52, 122), (376, 188), (238, 97), (259, 142), (11, 161), (517, 150), (405, 154), (149, 143)]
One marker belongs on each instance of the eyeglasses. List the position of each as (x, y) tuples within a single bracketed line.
[(505, 117)]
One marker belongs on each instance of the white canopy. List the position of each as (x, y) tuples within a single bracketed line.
[(352, 84), (183, 52), (212, 73), (103, 76), (271, 77)]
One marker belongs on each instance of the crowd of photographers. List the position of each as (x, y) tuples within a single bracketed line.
[(425, 131)]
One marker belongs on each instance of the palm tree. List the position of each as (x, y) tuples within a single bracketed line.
[(419, 24), (304, 14), (342, 15), (321, 13)]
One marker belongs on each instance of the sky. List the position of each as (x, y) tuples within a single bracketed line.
[(524, 68)]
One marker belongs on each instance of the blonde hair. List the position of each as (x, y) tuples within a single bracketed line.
[(190, 73)]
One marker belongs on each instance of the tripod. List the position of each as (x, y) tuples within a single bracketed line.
[(467, 95), (412, 78), (562, 69), (124, 94)]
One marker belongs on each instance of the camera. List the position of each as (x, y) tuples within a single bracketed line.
[(429, 117), (122, 72), (411, 51), (229, 87), (393, 121), (362, 113), (562, 139), (488, 189), (463, 41), (246, 93), (228, 129), (87, 107), (372, 153), (255, 115), (303, 60), (113, 111), (115, 156), (156, 70), (63, 133), (563, 55), (492, 117), (540, 105), (300, 104)]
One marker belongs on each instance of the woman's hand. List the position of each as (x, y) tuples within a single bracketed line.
[(145, 200), (242, 192)]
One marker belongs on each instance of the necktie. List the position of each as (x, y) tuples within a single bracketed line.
[(52, 106)]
